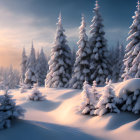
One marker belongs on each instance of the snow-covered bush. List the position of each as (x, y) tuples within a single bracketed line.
[(9, 110), (107, 102), (36, 94), (89, 98), (129, 95)]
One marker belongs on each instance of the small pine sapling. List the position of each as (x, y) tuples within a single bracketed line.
[(36, 94), (94, 97), (84, 108), (89, 98)]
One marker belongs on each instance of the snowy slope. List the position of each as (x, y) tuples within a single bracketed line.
[(58, 119)]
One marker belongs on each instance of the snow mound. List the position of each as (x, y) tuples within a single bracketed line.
[(129, 95), (127, 86)]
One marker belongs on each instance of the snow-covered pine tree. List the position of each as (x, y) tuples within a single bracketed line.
[(30, 75), (86, 105), (132, 57), (99, 63), (8, 110), (41, 68), (90, 97), (23, 65), (36, 94), (107, 102), (60, 63), (81, 66)]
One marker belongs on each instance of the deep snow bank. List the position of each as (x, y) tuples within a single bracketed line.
[(127, 86)]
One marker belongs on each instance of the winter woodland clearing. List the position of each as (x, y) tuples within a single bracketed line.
[(93, 93), (58, 117)]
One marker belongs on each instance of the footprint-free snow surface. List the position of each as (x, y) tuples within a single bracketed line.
[(58, 118)]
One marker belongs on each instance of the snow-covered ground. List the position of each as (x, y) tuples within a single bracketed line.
[(57, 118)]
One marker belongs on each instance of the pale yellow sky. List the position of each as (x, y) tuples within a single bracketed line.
[(10, 56)]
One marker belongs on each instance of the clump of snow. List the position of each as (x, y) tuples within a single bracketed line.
[(107, 102), (129, 95), (36, 94), (127, 86), (9, 110)]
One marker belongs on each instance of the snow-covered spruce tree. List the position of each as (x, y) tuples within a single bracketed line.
[(30, 75), (81, 66), (23, 66), (41, 68), (9, 110), (60, 63), (36, 94), (90, 97), (107, 102), (99, 63), (86, 105), (132, 57)]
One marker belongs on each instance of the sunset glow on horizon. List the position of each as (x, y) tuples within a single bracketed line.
[(24, 21)]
